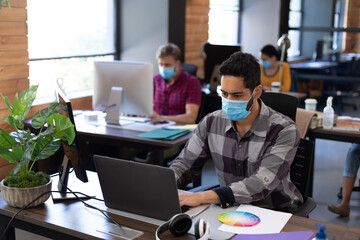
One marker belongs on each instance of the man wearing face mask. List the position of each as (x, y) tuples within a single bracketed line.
[(270, 69), (177, 94), (251, 145)]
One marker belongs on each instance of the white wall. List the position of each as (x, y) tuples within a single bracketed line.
[(260, 23), (144, 27)]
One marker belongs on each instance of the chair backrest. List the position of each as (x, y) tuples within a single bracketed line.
[(209, 104), (201, 112), (301, 169), (281, 102), (189, 68)]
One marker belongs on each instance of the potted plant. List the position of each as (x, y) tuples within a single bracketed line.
[(24, 148)]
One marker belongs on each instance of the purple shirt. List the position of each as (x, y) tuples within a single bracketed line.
[(171, 100)]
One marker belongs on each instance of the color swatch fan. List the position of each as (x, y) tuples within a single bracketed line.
[(238, 218)]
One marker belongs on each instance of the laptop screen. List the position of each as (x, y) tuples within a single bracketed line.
[(143, 189)]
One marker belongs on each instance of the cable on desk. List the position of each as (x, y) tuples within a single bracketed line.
[(13, 217), (90, 206), (69, 191)]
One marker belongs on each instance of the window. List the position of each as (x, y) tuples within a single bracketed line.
[(295, 20), (65, 38), (316, 26), (224, 23), (338, 23)]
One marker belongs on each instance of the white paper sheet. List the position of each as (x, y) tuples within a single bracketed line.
[(270, 221)]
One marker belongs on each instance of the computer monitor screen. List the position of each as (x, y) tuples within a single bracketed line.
[(72, 157), (215, 55), (136, 81)]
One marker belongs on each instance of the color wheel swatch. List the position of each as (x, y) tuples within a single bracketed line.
[(238, 218)]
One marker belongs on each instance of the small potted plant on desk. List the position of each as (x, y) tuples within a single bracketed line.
[(24, 148)]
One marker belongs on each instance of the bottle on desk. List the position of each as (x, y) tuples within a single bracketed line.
[(320, 234), (328, 118)]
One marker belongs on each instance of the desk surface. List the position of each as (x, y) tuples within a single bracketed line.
[(84, 128), (72, 220), (311, 65), (336, 135), (120, 134)]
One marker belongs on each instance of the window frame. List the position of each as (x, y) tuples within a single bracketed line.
[(116, 54), (285, 28)]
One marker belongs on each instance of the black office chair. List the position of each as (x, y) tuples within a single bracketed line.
[(281, 102), (189, 68), (201, 112), (301, 174)]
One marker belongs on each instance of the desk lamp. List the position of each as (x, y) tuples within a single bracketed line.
[(284, 44)]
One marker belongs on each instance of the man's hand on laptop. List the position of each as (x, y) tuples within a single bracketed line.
[(195, 199)]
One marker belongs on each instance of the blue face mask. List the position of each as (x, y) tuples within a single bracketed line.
[(236, 110), (167, 73), (266, 64)]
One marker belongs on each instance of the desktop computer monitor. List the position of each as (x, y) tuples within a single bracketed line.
[(214, 55), (124, 86), (72, 158)]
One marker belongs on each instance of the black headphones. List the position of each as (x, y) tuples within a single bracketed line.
[(180, 224)]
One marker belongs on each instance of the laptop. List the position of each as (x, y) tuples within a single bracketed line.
[(139, 188)]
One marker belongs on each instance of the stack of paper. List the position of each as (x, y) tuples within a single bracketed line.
[(270, 221), (163, 134), (186, 126)]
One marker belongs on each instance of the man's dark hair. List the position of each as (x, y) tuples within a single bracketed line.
[(169, 49), (242, 65), (270, 51)]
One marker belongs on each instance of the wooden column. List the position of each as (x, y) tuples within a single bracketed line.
[(196, 32), (351, 40), (14, 58)]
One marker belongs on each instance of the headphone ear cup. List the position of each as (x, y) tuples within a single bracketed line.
[(202, 229), (180, 224), (162, 229)]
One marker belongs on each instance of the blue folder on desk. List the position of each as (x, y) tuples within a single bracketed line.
[(163, 134)]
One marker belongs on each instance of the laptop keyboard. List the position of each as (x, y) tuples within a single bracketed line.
[(184, 208)]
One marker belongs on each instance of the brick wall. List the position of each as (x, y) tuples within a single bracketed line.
[(351, 41), (196, 32)]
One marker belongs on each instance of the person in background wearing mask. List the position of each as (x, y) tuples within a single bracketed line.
[(270, 69), (251, 145), (177, 94)]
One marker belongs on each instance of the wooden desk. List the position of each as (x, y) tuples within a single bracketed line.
[(298, 95), (335, 135), (328, 77), (89, 135), (312, 65), (72, 220)]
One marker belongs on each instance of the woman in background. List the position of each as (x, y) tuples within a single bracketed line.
[(270, 69)]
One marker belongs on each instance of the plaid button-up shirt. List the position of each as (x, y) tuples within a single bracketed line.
[(252, 169), (171, 100)]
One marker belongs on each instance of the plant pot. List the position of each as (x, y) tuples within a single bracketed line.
[(20, 197)]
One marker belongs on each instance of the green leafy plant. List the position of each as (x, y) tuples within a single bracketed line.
[(6, 2), (24, 148)]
